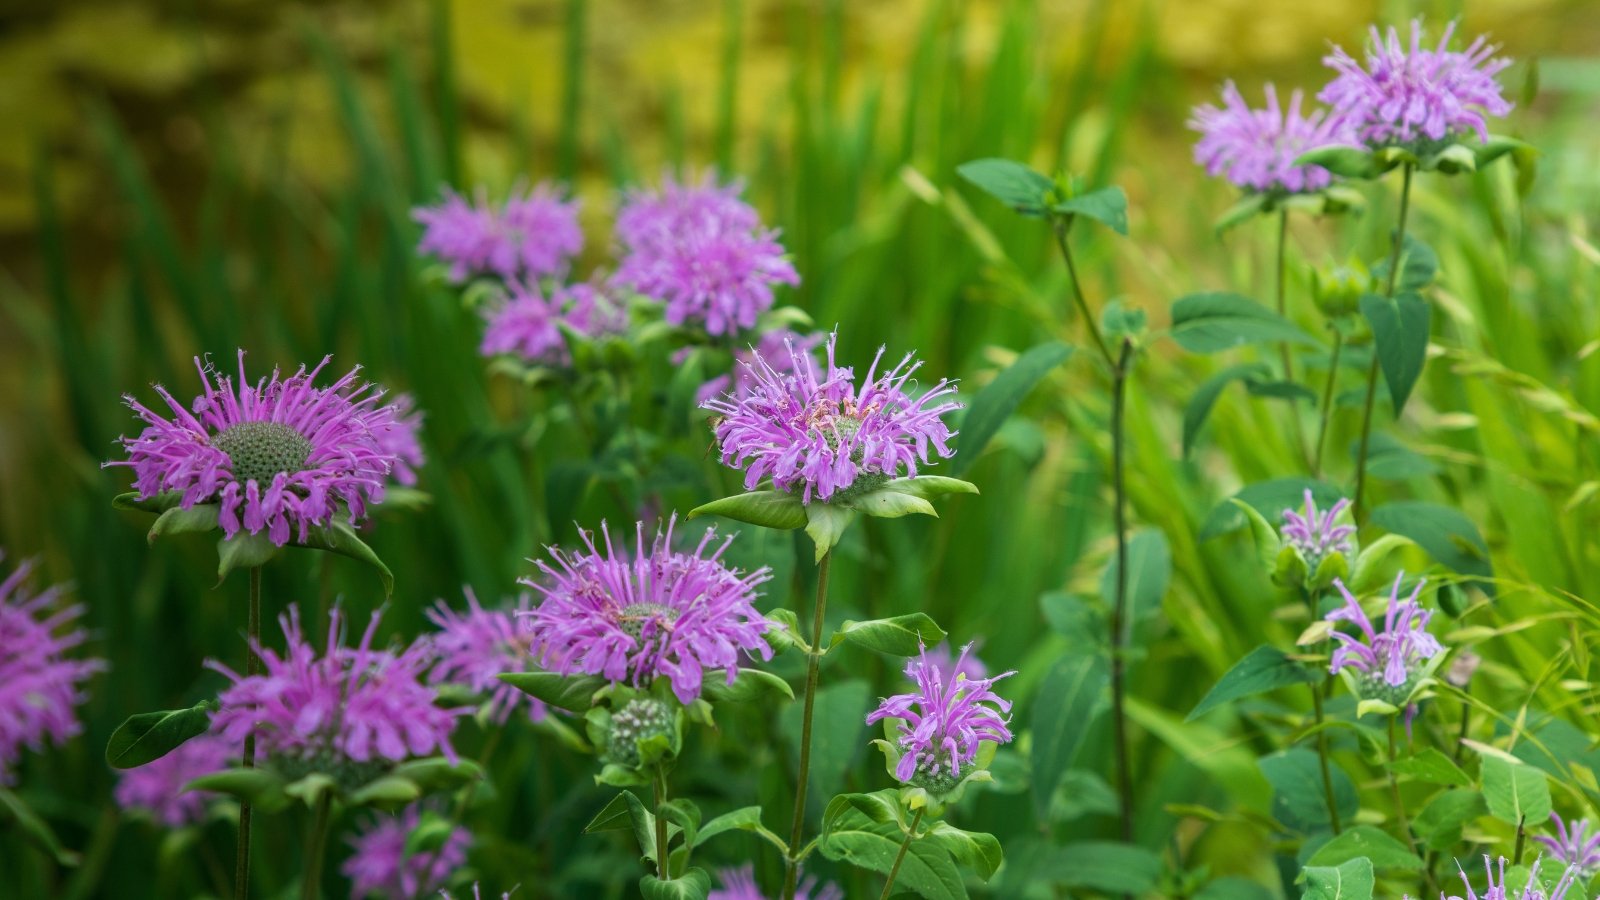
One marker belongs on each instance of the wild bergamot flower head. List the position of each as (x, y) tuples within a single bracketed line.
[(280, 455), (1573, 845), (348, 712), (1388, 663), (943, 722), (534, 234), (41, 686), (474, 647), (379, 864), (660, 613), (528, 323), (812, 429), (740, 884), (1408, 93), (1255, 149), (1317, 536)]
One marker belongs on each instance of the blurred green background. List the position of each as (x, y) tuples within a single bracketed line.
[(183, 178)]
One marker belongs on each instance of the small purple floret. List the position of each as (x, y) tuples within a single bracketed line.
[(944, 721), (1317, 536), (1404, 94), (662, 613), (379, 865), (1388, 660), (156, 788), (811, 429), (740, 884), (476, 646), (770, 349), (533, 235), (1574, 845), (528, 323), (1255, 149)]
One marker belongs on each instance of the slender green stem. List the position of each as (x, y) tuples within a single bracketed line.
[(316, 847), (663, 870), (1372, 370), (1119, 611), (1322, 735), (1522, 836), (1327, 403), (791, 878), (1461, 736), (1077, 293), (1400, 807), (894, 871), (252, 665)]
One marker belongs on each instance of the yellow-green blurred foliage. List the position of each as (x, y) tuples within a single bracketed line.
[(161, 65)]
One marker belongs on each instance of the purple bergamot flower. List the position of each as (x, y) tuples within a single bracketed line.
[(1496, 887), (662, 613), (772, 348), (949, 665), (40, 686), (740, 884), (1387, 663), (1403, 94), (280, 455), (813, 429), (476, 646), (401, 438), (1315, 535), (157, 787), (1574, 845), (702, 252), (351, 712), (1255, 149), (533, 235), (528, 323), (943, 722), (379, 865)]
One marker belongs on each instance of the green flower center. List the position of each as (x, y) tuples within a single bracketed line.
[(935, 779), (258, 451), (633, 616)]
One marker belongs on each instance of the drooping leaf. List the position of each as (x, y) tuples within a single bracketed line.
[(199, 518), (243, 551), (1354, 880), (768, 509), (1364, 841), (976, 850), (885, 503), (998, 399), (147, 737), (825, 525), (1214, 321), (1433, 767), (626, 813), (574, 693), (1298, 799), (1515, 793), (931, 487), (748, 685), (1107, 205), (1347, 162), (1447, 535), (849, 835), (896, 636), (262, 788), (1263, 669), (694, 884), (1012, 183), (1198, 409), (1400, 337), (388, 791), (1063, 708)]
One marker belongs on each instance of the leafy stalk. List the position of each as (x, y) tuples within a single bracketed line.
[(662, 862), (252, 666), (894, 871), (316, 847), (791, 878), (1372, 370)]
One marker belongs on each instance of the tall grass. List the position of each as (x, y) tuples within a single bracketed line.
[(860, 177)]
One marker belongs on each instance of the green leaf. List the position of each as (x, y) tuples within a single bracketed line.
[(1400, 337), (149, 736), (768, 509), (931, 487), (1433, 767), (1108, 867), (1298, 800), (1439, 824), (626, 813), (575, 694), (749, 684), (1447, 535), (897, 636), (1497, 146), (838, 733), (1218, 320), (1382, 850), (1350, 881), (342, 539), (747, 818), (243, 551), (694, 884), (1270, 498), (1249, 205), (157, 503), (177, 520), (432, 832), (1198, 409), (849, 835), (259, 787), (1263, 669), (1391, 460), (683, 813), (976, 850), (1149, 571), (1065, 704), (1419, 264), (1346, 162), (1012, 183), (885, 503), (825, 525), (1072, 618), (1515, 793), (997, 400), (390, 790), (436, 773), (35, 829), (1108, 206)]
